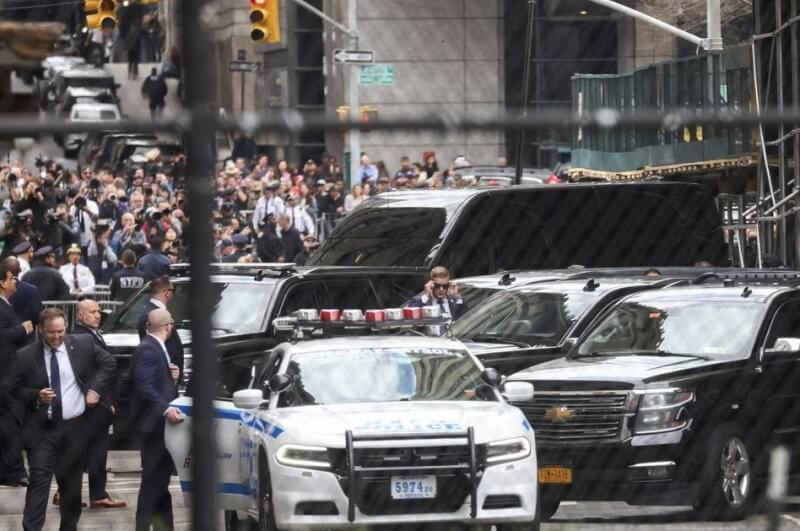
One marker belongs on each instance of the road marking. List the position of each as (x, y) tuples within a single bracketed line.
[(565, 503), (795, 521)]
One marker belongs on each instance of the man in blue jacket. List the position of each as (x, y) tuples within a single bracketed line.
[(155, 263), (155, 380)]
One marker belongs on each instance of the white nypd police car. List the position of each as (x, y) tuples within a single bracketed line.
[(368, 431)]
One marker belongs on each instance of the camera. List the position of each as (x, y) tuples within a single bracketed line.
[(51, 217)]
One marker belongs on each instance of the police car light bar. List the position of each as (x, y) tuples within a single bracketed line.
[(386, 319)]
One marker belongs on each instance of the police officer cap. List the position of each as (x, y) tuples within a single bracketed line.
[(226, 242), (43, 251), (73, 249), (20, 248), (272, 185), (239, 239)]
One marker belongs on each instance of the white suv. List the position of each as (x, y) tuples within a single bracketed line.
[(369, 430)]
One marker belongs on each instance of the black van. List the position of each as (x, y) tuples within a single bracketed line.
[(480, 231)]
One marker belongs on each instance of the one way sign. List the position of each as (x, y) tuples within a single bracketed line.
[(354, 56)]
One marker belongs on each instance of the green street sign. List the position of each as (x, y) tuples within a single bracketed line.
[(377, 74)]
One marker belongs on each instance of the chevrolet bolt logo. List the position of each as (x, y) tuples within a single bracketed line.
[(559, 415)]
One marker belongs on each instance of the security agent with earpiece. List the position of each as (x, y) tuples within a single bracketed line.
[(441, 293)]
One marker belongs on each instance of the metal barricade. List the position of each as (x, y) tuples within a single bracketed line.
[(99, 293)]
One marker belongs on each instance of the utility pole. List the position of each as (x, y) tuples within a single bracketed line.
[(352, 97), (526, 81)]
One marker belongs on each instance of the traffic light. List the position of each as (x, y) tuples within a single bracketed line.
[(100, 14), (265, 21)]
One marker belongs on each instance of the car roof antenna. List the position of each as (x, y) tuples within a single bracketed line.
[(591, 285), (507, 279), (746, 292)]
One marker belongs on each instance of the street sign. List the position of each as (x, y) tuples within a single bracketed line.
[(377, 74), (242, 66), (353, 56)]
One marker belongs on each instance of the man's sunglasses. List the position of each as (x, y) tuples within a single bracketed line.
[(441, 286)]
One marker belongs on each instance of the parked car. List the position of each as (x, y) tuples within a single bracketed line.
[(480, 231), (247, 300), (75, 95), (673, 397), (88, 112), (83, 76), (100, 147), (131, 153)]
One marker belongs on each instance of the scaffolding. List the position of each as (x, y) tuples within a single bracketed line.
[(776, 61)]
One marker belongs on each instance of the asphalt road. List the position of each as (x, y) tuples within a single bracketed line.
[(595, 516)]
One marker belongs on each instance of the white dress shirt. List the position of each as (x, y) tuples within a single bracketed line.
[(159, 304), (301, 220), (274, 206), (84, 274), (24, 266), (73, 403)]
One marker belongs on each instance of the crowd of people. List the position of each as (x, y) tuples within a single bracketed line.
[(74, 230)]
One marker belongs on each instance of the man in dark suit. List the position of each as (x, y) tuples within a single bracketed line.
[(442, 293), (155, 380), (58, 379), (13, 335), (99, 418), (290, 238), (46, 277), (27, 301), (161, 292)]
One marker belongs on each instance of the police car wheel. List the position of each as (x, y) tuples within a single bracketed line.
[(266, 515)]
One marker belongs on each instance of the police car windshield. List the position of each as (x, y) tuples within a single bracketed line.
[(382, 375), (528, 316), (238, 307), (715, 330)]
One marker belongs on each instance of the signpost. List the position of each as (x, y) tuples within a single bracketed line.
[(242, 66), (377, 74), (353, 56)]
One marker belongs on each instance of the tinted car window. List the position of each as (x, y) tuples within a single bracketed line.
[(238, 373), (718, 329), (384, 236), (354, 294), (238, 307), (534, 317)]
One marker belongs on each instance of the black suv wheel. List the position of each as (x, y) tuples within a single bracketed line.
[(727, 488)]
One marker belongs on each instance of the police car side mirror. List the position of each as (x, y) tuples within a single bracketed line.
[(248, 398), (279, 382), (491, 377), (518, 391)]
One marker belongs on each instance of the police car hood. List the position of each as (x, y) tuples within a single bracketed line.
[(327, 425)]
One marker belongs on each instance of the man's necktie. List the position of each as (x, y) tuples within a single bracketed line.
[(82, 222), (441, 306), (55, 385), (75, 276)]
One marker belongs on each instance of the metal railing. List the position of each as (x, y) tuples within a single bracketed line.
[(70, 308)]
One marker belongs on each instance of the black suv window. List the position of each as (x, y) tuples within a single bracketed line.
[(786, 322), (318, 294), (239, 307)]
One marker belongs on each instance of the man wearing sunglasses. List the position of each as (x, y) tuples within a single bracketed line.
[(440, 292)]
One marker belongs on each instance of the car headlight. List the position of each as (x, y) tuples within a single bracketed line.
[(507, 450), (663, 411), (303, 456)]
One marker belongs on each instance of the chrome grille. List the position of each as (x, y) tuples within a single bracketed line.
[(578, 417)]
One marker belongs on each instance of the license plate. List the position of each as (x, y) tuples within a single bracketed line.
[(555, 474), (413, 487)]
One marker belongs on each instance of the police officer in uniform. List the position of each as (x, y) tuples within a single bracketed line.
[(46, 277), (127, 280)]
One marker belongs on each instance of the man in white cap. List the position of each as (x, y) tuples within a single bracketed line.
[(268, 203), (78, 277)]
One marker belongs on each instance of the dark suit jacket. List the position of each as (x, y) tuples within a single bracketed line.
[(153, 388), (94, 370), (27, 302), (50, 283), (12, 337), (107, 398), (457, 309), (173, 344)]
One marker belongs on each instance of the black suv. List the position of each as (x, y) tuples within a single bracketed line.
[(672, 397), (247, 298)]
